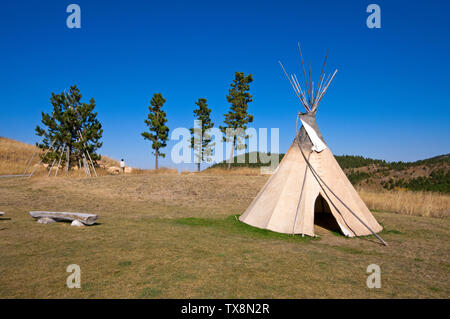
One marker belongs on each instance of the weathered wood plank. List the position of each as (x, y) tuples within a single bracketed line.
[(87, 219), (18, 175)]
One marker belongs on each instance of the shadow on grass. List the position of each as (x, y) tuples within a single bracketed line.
[(69, 222), (124, 263), (370, 238), (150, 293), (389, 231), (234, 225), (350, 250)]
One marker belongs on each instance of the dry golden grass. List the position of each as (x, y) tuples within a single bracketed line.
[(159, 171), (108, 161), (408, 203), (248, 171), (168, 235), (175, 236), (403, 202), (14, 156)]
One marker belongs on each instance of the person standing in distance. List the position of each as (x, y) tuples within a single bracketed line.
[(122, 165)]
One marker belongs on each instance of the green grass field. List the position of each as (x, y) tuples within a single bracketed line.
[(177, 236)]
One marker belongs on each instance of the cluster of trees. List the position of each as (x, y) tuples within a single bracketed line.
[(350, 161), (437, 181), (356, 177), (73, 131), (237, 118)]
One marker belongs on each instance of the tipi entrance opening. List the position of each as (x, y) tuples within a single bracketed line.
[(323, 216)]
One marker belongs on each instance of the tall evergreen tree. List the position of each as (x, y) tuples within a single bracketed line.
[(238, 118), (156, 121), (72, 130), (201, 140)]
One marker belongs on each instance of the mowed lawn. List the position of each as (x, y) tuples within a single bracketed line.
[(177, 236)]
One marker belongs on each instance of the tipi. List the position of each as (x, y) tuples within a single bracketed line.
[(309, 183)]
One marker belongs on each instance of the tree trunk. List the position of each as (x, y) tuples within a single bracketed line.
[(198, 167), (156, 160), (231, 156), (67, 159)]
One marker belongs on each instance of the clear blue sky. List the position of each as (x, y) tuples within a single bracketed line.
[(390, 98)]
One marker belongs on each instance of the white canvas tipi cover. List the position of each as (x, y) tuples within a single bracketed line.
[(286, 203), (307, 176)]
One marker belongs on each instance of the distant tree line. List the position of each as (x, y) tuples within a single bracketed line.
[(437, 181), (351, 161), (72, 130), (237, 118), (357, 177)]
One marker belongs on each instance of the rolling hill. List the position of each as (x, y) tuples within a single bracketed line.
[(15, 155), (430, 174)]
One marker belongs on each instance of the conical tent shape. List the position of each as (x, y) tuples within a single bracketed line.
[(286, 203), (308, 173)]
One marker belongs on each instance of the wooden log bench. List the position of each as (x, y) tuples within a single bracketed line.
[(87, 219)]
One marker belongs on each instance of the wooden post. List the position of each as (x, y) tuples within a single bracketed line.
[(232, 153), (67, 159), (59, 162), (36, 167), (50, 170), (89, 156)]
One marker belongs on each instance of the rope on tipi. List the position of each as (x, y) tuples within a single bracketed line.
[(310, 102), (321, 181)]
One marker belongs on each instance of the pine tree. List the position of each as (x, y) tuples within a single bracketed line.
[(201, 140), (72, 130), (156, 121), (238, 117)]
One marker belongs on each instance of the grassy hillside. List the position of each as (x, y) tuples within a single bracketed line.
[(15, 156), (424, 175), (431, 174)]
